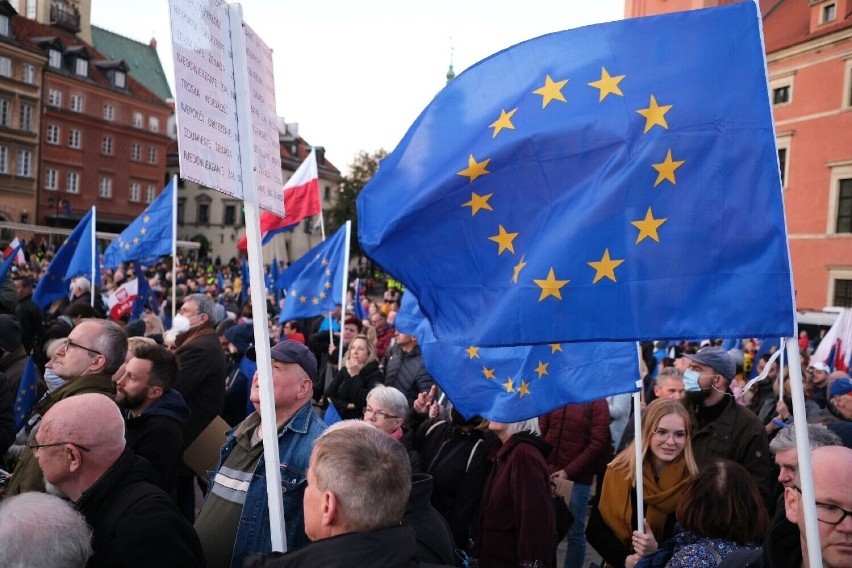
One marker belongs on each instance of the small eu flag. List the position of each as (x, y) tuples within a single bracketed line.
[(149, 236)]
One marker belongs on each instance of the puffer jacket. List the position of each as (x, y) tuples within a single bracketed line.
[(581, 440)]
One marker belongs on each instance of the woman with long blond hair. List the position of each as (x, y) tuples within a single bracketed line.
[(668, 466), (360, 373)]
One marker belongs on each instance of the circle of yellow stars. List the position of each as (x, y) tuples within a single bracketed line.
[(512, 385)]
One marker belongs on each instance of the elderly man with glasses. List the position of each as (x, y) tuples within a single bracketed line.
[(86, 360)]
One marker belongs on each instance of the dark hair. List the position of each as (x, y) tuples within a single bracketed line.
[(294, 325), (164, 365), (81, 310), (723, 502), (354, 321), (765, 357)]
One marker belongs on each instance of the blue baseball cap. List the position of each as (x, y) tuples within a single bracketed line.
[(290, 351)]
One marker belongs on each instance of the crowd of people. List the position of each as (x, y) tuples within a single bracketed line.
[(97, 476)]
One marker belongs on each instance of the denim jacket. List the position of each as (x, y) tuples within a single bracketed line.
[(295, 442)]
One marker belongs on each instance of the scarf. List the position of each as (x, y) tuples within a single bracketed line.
[(661, 498)]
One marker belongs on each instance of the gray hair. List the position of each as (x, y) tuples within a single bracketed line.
[(390, 398), (530, 425), (667, 373), (82, 283), (38, 529), (205, 306), (111, 342), (818, 436), (356, 462)]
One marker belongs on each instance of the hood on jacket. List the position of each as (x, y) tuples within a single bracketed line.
[(535, 440), (171, 404)]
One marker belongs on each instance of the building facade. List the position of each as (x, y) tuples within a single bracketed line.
[(809, 60)]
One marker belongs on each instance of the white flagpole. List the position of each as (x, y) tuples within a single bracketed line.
[(275, 498), (321, 213), (803, 449), (343, 292), (637, 447), (94, 249), (781, 370), (174, 245)]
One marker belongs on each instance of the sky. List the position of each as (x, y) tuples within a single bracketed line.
[(355, 74)]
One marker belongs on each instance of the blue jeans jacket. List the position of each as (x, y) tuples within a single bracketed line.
[(295, 442)]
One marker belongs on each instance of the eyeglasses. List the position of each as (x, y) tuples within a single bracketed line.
[(378, 413), (34, 447), (662, 435), (68, 343), (827, 513)]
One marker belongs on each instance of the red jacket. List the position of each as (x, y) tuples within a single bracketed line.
[(581, 440)]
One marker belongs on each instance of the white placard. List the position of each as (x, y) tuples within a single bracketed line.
[(205, 104)]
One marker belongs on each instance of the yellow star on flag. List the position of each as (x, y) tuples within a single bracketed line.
[(325, 262), (135, 240), (554, 347), (542, 368), (327, 284), (648, 227), (666, 169), (293, 291), (605, 267), (478, 202), (517, 273), (524, 389), (146, 218), (475, 169), (315, 301), (489, 373), (303, 299), (607, 85), (552, 90), (655, 114), (327, 272), (509, 385), (322, 295), (505, 121), (504, 239), (143, 230), (472, 352), (550, 286)]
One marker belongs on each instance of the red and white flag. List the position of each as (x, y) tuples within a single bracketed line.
[(19, 258), (120, 302), (835, 349), (301, 200)]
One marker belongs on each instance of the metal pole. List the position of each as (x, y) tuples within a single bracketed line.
[(637, 447)]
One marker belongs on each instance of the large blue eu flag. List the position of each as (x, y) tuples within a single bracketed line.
[(510, 384), (149, 236), (314, 283), (74, 258), (609, 183)]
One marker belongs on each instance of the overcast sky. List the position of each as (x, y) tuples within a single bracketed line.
[(356, 73)]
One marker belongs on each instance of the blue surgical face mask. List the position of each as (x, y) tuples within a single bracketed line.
[(690, 380)]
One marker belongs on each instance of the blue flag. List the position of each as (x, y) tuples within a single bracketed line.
[(360, 313), (74, 258), (510, 384), (246, 281), (768, 346), (248, 368), (220, 281), (314, 283), (149, 236), (145, 296), (331, 416), (7, 264), (272, 276), (585, 186), (27, 393)]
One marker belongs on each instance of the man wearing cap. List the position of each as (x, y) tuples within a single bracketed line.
[(818, 373), (721, 427), (840, 396), (234, 520)]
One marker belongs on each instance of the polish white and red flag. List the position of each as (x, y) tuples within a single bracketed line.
[(301, 200), (10, 248), (835, 349)]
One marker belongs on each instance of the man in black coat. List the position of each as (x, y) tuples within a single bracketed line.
[(134, 522), (154, 412), (28, 313)]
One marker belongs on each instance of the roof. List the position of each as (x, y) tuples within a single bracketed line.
[(30, 33), (787, 23), (142, 59)]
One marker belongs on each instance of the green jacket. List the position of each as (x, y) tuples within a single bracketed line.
[(27, 475)]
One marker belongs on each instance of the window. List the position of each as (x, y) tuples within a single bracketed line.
[(138, 121), (152, 155), (781, 95), (844, 206), (782, 163), (181, 207), (25, 163), (5, 115), (5, 66), (77, 103), (842, 293), (73, 183), (230, 215), (150, 193), (136, 152), (109, 112), (51, 179), (134, 192), (27, 117), (4, 159), (74, 138), (106, 146), (153, 124), (54, 98), (4, 25), (120, 79), (54, 58), (105, 188), (203, 213), (847, 83), (327, 193), (31, 9), (828, 13), (53, 134), (28, 74), (82, 67), (784, 141)]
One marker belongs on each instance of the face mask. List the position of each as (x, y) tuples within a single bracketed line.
[(690, 381), (180, 323), (52, 380)]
